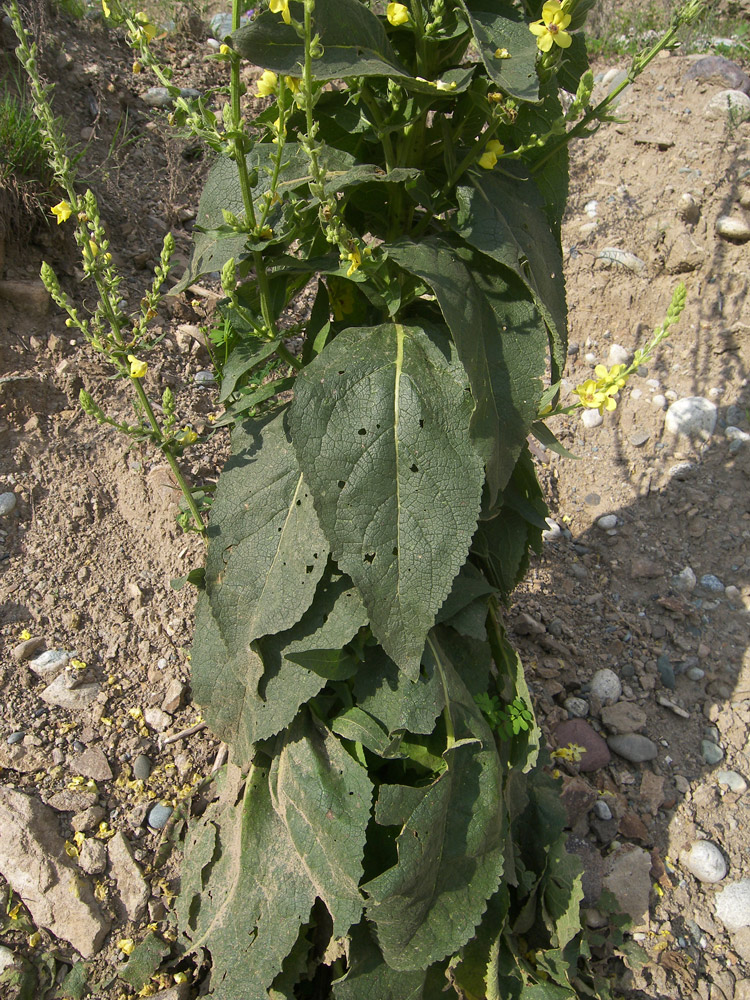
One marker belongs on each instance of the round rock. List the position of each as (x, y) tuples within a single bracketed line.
[(205, 379), (7, 503), (602, 810), (712, 583), (733, 227), (693, 416), (730, 106), (633, 747), (158, 817), (607, 522), (732, 780), (711, 752), (624, 717), (581, 733), (733, 905), (606, 686), (705, 861), (619, 355), (592, 418), (685, 581), (577, 708), (142, 767)]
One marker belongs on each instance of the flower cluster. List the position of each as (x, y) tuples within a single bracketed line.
[(598, 394)]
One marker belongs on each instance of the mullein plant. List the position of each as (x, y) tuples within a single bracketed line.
[(122, 338), (386, 826)]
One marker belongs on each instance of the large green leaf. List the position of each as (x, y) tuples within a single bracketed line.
[(250, 692), (504, 217), (380, 422), (493, 30), (244, 890), (324, 796), (369, 978), (450, 845), (266, 549), (501, 340), (383, 691), (353, 40)]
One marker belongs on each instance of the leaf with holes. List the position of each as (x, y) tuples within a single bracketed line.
[(266, 550), (380, 422)]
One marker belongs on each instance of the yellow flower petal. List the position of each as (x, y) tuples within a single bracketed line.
[(397, 14), (487, 160), (493, 146), (563, 39), (544, 42), (281, 7), (62, 211), (137, 368), (537, 28), (549, 10), (267, 83)]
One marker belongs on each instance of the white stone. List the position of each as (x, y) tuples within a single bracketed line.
[(577, 708), (730, 106), (685, 581), (705, 861), (592, 418), (732, 227), (733, 905), (7, 503), (606, 522), (736, 434), (619, 355), (7, 958), (50, 662), (732, 780), (693, 416), (606, 686)]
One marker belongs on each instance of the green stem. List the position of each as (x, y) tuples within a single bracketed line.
[(287, 355), (449, 728)]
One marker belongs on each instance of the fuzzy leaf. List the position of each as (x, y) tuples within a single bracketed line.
[(500, 338), (245, 892), (492, 31), (369, 978), (324, 797), (380, 422), (354, 43), (450, 848), (266, 550), (384, 692), (504, 217), (249, 693)]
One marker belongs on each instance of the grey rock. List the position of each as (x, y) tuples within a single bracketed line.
[(174, 696), (695, 674), (607, 522), (685, 255), (633, 747), (711, 753), (666, 671), (221, 25), (132, 887), (602, 810), (181, 991), (577, 708), (7, 503), (92, 763), (732, 780), (693, 416), (205, 379), (69, 800), (88, 819), (685, 581), (705, 861), (157, 719), (624, 717), (717, 69), (24, 650), (142, 767), (688, 209), (730, 106), (34, 863), (592, 418), (49, 663), (606, 686), (158, 97), (733, 227), (553, 532), (76, 699), (29, 296), (158, 816), (736, 434), (733, 905), (712, 583), (23, 759), (619, 355), (93, 856), (629, 880), (624, 258), (16, 737)]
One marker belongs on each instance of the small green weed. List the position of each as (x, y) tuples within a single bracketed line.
[(22, 154)]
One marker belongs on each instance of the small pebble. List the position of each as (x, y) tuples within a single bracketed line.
[(619, 355), (666, 672), (553, 532), (693, 416), (607, 522), (606, 686), (732, 780), (205, 379), (602, 810), (685, 581), (706, 862), (681, 784), (50, 662), (142, 767), (16, 737), (732, 594), (659, 400), (711, 753), (732, 227), (696, 674), (592, 418), (158, 817), (7, 958), (633, 747), (7, 503), (712, 583), (577, 708)]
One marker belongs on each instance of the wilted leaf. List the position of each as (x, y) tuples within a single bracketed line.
[(380, 422)]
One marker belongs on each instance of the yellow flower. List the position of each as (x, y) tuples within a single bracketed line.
[(148, 29), (137, 368), (281, 7), (551, 29), (62, 211), (293, 83), (502, 54), (126, 945), (493, 149), (186, 436), (105, 8), (610, 381), (225, 50), (356, 261), (572, 752), (267, 83), (137, 68), (397, 14), (93, 248), (24, 635)]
